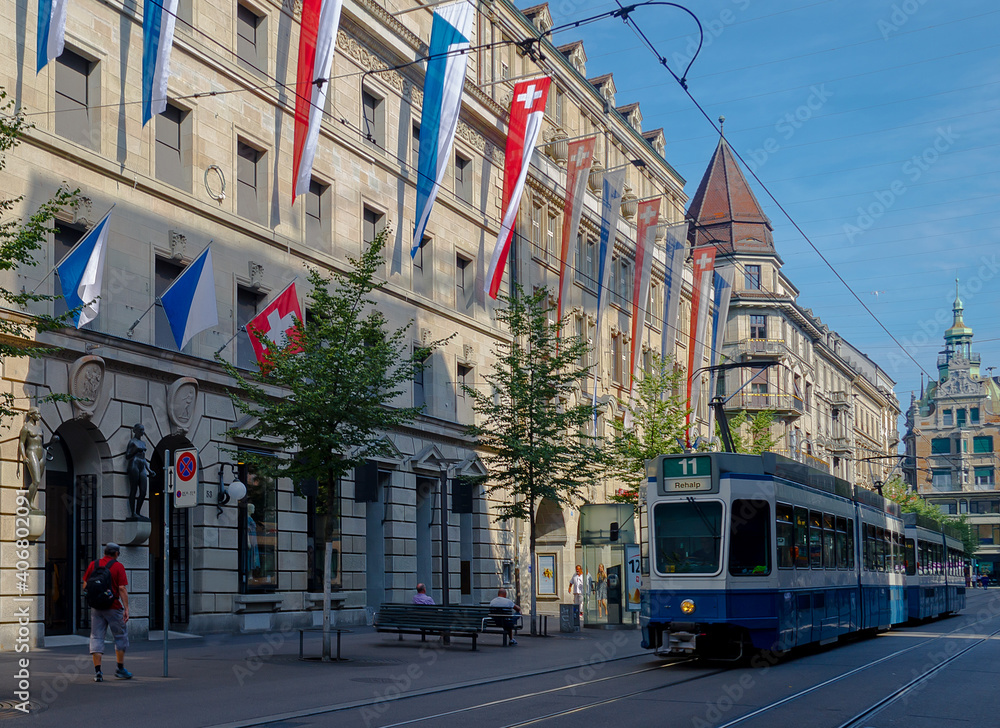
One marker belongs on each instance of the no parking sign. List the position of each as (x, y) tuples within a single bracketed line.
[(185, 478)]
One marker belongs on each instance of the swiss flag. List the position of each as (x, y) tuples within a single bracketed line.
[(276, 323)]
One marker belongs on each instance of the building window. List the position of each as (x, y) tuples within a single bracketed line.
[(974, 415), (463, 380), (758, 326), (586, 260), (536, 231), (552, 238), (166, 272), (422, 268), (172, 159), (625, 283), (318, 215), (947, 418), (751, 278), (415, 147), (960, 417), (323, 524), (247, 301), (75, 98), (373, 119), (618, 353), (421, 375), (982, 443), (984, 476), (372, 225), (251, 40), (249, 181), (463, 179), (258, 532), (185, 14), (758, 384), (941, 445), (941, 478), (465, 283)]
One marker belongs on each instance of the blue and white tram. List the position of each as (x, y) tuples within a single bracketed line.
[(935, 577), (762, 551)]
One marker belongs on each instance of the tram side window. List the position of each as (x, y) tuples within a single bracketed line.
[(897, 556), (841, 543), (869, 535), (785, 532), (829, 535), (879, 549), (924, 557), (911, 557), (815, 540), (750, 538), (850, 543), (801, 538), (939, 557)]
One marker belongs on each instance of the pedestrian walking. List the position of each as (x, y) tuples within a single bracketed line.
[(985, 579), (576, 589), (104, 584)]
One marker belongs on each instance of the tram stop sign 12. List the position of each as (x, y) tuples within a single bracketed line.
[(185, 478)]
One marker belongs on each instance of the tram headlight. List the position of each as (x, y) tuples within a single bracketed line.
[(687, 606)]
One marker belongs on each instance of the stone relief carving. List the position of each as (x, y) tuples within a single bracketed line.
[(958, 382), (181, 397), (86, 378), (178, 242), (256, 274)]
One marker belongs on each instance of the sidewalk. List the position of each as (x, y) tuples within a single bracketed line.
[(220, 679)]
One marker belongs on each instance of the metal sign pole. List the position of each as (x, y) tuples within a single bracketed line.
[(168, 485)]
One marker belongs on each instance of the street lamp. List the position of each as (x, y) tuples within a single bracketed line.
[(236, 491)]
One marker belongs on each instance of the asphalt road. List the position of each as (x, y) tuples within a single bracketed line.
[(938, 674)]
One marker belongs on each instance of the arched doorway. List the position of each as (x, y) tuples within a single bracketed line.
[(180, 564), (71, 520)]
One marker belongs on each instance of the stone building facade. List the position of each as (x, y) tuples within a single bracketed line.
[(216, 167), (952, 431), (834, 408)]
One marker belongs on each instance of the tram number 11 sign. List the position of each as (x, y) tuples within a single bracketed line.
[(687, 474), (185, 478)]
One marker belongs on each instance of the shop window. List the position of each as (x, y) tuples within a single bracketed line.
[(258, 532)]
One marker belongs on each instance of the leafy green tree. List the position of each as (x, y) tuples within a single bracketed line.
[(530, 432), (911, 502), (19, 239), (758, 437), (656, 428), (327, 399)]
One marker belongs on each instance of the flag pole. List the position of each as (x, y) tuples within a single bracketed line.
[(131, 328), (182, 273), (230, 340)]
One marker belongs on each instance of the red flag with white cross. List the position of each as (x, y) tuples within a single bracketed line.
[(276, 324)]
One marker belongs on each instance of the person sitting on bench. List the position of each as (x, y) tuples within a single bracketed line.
[(500, 601), (421, 596)]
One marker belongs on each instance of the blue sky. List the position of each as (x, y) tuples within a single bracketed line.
[(875, 124)]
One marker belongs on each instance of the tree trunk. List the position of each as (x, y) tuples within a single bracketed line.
[(327, 576), (531, 571)]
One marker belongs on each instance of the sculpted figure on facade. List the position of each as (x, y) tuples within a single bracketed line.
[(138, 471), (33, 451)]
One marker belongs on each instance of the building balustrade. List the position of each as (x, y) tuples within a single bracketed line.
[(783, 404)]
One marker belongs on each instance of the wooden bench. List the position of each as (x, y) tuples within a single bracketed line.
[(463, 621)]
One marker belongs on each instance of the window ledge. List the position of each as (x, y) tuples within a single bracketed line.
[(315, 601), (254, 602)]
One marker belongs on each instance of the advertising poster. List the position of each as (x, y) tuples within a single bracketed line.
[(633, 577)]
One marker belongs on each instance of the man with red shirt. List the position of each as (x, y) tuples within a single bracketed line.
[(115, 617)]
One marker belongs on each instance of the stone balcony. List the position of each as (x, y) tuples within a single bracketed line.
[(762, 348), (780, 404)]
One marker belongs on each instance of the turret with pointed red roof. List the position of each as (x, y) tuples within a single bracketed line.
[(724, 210)]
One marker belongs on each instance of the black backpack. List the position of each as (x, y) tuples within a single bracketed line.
[(100, 589)]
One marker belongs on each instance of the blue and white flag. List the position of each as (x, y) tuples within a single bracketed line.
[(443, 87), (189, 302), (611, 209), (157, 37), (51, 31), (673, 281), (81, 273), (723, 289)]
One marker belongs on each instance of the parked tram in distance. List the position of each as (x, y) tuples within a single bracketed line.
[(762, 552), (935, 568)]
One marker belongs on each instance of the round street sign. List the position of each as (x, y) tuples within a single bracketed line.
[(187, 466)]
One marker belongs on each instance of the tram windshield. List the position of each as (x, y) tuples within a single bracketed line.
[(687, 537)]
